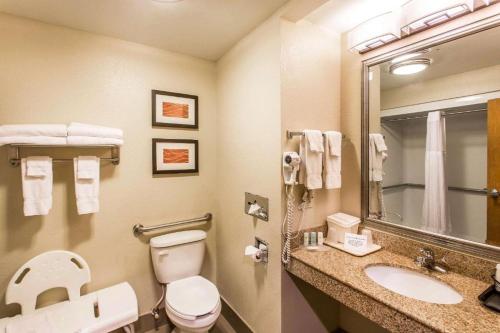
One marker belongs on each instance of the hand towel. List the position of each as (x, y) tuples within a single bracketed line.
[(57, 130), (87, 189), (88, 140), (37, 166), (332, 160), (379, 142), (33, 140), (88, 167), (311, 154), (315, 140), (435, 215), (79, 129), (37, 191), (377, 155)]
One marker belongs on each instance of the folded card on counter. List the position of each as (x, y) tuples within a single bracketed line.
[(355, 242)]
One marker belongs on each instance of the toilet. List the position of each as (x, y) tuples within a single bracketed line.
[(191, 302)]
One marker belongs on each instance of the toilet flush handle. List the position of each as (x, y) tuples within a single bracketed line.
[(163, 253)]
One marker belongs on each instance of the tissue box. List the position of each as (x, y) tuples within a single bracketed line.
[(339, 224)]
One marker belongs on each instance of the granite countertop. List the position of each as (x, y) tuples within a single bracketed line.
[(467, 316)]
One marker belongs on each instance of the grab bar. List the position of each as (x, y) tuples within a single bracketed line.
[(451, 188), (139, 229)]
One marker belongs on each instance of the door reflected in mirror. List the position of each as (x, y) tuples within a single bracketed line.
[(434, 139)]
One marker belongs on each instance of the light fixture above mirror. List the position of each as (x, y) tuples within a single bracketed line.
[(417, 15), (411, 16), (374, 33)]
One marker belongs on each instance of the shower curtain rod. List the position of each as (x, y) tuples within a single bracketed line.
[(445, 114)]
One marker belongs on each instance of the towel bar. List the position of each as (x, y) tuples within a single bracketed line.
[(139, 229), (291, 134), (15, 158)]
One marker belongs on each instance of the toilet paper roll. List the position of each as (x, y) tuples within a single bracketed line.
[(253, 252)]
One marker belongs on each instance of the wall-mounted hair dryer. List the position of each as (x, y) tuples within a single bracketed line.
[(291, 165)]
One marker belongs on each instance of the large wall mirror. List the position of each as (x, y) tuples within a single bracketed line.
[(431, 143)]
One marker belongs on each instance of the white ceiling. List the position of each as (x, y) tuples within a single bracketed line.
[(462, 55), (201, 28)]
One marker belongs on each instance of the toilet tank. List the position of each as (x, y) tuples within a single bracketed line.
[(178, 255)]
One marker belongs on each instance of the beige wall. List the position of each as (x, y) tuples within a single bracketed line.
[(310, 98), (248, 160), (350, 105), (479, 81), (56, 75)]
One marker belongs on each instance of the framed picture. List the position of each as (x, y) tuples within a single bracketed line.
[(174, 110), (175, 156)]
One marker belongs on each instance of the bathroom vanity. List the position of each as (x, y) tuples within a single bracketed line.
[(343, 277)]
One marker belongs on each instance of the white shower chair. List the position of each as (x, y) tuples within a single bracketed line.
[(100, 311)]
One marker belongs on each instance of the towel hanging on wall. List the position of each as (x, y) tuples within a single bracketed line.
[(36, 178), (311, 155), (86, 169), (332, 160)]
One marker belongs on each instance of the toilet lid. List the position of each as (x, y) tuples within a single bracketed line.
[(192, 296)]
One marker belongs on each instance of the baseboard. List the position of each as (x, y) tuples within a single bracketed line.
[(234, 319)]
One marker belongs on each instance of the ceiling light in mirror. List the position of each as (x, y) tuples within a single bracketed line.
[(409, 67), (417, 15), (375, 32), (409, 56)]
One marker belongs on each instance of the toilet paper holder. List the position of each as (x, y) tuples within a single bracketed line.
[(259, 252)]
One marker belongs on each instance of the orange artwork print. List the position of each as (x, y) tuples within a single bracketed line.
[(175, 156), (175, 110)]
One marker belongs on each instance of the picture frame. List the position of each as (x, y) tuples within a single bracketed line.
[(173, 156), (170, 109)]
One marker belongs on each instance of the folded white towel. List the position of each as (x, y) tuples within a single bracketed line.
[(311, 154), (59, 130), (79, 129), (88, 140), (332, 160), (37, 191), (315, 140), (87, 167), (87, 189), (33, 140), (37, 166), (334, 142)]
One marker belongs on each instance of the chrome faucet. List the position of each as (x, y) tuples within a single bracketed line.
[(427, 259)]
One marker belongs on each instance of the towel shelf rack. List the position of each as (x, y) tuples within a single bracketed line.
[(15, 152), (139, 229), (291, 134)]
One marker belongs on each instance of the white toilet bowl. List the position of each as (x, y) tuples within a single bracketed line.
[(192, 304)]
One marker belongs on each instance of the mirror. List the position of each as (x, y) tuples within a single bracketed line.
[(432, 139)]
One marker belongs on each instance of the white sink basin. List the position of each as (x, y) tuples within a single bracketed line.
[(413, 284)]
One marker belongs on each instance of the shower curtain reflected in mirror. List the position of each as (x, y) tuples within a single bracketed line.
[(435, 215)]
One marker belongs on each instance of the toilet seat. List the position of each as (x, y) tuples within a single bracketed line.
[(192, 297)]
